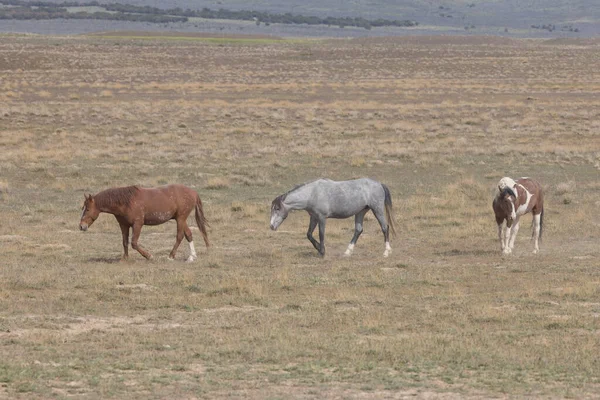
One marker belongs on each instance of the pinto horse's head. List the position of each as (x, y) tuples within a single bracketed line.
[(507, 198), (89, 213), (278, 212)]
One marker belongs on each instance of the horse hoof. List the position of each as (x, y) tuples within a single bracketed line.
[(347, 253), (386, 253), (190, 259), (171, 258), (535, 251)]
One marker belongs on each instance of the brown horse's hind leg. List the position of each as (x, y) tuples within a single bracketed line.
[(181, 226), (137, 229), (188, 236), (125, 232)]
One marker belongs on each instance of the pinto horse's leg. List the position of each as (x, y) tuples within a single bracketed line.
[(137, 229), (500, 236), (188, 236), (500, 221), (125, 232), (358, 228), (311, 228), (536, 233), (505, 247), (380, 215), (513, 234)]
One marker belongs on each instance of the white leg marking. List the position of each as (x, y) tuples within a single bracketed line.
[(193, 255), (500, 237), (536, 233), (388, 249), (349, 250), (513, 234), (505, 248)]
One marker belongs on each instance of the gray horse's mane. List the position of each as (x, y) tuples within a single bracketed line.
[(279, 199), (120, 196)]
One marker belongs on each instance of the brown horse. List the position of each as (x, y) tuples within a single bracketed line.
[(514, 199), (134, 207)]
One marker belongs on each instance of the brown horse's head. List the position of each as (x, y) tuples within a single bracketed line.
[(89, 213)]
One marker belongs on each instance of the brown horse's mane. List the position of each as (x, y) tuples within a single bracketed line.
[(120, 196)]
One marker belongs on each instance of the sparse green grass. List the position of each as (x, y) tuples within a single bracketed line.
[(260, 315)]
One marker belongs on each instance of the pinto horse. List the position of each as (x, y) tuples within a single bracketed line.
[(325, 198), (134, 207), (514, 199)]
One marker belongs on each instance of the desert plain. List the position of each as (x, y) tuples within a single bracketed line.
[(260, 315)]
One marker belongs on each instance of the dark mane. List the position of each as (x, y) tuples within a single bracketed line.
[(120, 196), (508, 191), (279, 199), (295, 188)]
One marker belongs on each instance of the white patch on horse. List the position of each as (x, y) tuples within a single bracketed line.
[(507, 182), (193, 255), (523, 207), (513, 213)]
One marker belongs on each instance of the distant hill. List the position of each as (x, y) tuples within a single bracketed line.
[(518, 17)]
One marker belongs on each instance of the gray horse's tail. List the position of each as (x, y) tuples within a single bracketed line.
[(201, 220), (389, 215)]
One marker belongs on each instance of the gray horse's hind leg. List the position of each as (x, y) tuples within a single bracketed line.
[(380, 215), (322, 222), (311, 228), (358, 228)]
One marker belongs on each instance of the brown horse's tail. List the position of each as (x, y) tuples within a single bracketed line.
[(201, 220), (388, 209)]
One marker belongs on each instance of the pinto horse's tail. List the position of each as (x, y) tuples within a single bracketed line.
[(541, 223), (388, 209), (201, 220)]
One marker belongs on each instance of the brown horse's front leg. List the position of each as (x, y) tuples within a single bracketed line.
[(137, 229), (125, 232)]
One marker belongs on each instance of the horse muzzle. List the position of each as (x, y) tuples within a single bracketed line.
[(83, 227), (273, 227)]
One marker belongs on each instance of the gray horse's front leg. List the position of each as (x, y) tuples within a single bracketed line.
[(311, 228)]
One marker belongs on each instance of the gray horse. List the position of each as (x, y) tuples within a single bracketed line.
[(325, 198)]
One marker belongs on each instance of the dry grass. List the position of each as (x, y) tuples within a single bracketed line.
[(259, 315)]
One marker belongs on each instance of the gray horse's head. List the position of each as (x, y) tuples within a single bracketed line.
[(278, 212)]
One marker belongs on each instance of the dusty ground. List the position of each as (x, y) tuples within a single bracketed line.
[(260, 315)]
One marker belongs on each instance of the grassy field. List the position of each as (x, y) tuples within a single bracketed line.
[(259, 315)]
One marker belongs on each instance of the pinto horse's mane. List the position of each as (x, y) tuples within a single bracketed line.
[(506, 191), (120, 196)]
